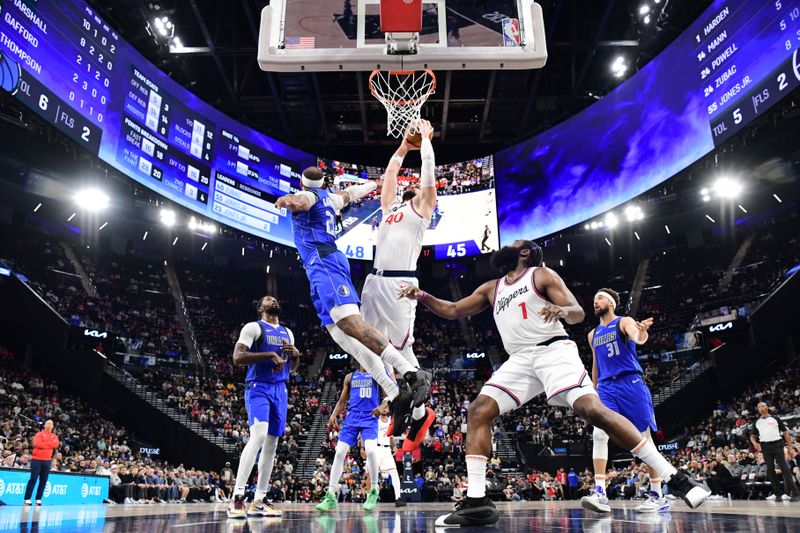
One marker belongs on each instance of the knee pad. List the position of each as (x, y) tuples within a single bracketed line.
[(258, 433), (342, 448), (599, 444), (371, 446)]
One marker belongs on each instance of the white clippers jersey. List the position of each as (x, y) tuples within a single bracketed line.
[(383, 427), (516, 313), (400, 238)]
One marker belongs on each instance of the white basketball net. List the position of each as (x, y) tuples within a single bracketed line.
[(402, 94)]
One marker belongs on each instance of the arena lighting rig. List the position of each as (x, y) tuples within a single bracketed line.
[(92, 200)]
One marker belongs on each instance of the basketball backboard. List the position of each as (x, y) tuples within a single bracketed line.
[(331, 35)]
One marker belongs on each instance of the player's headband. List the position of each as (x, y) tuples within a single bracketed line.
[(607, 296), (312, 184)]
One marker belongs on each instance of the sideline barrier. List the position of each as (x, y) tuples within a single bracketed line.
[(62, 488)]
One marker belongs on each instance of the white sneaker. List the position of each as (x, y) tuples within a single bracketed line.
[(597, 501), (785, 497), (653, 504), (770, 498)]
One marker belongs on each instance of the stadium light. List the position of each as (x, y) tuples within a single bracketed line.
[(711, 219), (743, 209), (644, 10), (607, 241), (587, 227), (646, 19), (205, 244), (667, 228), (35, 209), (101, 228), (91, 199), (71, 217), (637, 235), (144, 237), (206, 228), (593, 225), (633, 213), (725, 187), (777, 198), (618, 67), (168, 217), (175, 241), (612, 220)]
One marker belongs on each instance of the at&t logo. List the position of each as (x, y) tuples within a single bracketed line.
[(87, 490), (55, 490), (11, 488)]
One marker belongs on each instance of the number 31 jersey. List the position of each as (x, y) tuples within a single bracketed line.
[(400, 238), (516, 313), (614, 353)]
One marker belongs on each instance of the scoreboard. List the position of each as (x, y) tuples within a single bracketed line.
[(67, 64), (747, 59)]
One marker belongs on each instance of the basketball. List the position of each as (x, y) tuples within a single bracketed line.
[(414, 139)]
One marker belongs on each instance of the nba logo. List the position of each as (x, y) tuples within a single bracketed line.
[(510, 32)]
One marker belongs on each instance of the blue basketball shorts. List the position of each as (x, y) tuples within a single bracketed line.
[(630, 397), (366, 425), (331, 284), (267, 402)]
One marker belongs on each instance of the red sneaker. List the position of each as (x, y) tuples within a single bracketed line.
[(418, 430)]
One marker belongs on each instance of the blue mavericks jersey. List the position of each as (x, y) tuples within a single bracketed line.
[(614, 354), (365, 395), (271, 340), (315, 229)]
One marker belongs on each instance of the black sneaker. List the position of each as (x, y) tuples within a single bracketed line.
[(420, 384), (689, 490), (401, 409), (471, 512), (400, 503)]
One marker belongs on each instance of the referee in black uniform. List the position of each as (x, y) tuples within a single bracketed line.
[(770, 429)]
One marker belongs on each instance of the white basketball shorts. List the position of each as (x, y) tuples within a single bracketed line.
[(555, 370), (381, 308)]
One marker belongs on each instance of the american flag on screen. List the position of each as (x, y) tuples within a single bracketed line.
[(294, 43)]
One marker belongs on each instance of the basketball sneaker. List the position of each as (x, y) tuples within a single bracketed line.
[(328, 503), (263, 508), (653, 504), (470, 512), (689, 490), (372, 499), (237, 508), (420, 384), (400, 409), (596, 501), (418, 430)]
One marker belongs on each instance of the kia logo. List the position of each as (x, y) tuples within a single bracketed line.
[(338, 356), (94, 333), (476, 355), (720, 327)]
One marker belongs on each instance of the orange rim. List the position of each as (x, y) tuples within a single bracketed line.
[(385, 100)]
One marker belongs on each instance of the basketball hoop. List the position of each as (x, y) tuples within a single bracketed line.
[(402, 93)]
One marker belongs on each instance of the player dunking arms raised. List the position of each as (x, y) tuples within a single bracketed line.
[(617, 375), (314, 212), (361, 395), (397, 251), (268, 350), (528, 303)]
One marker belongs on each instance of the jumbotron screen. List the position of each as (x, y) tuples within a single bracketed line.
[(733, 63), (464, 222), (736, 61)]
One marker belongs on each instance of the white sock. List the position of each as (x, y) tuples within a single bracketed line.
[(418, 413), (648, 453), (371, 362), (258, 432), (371, 446), (392, 357), (396, 484), (338, 466), (600, 483), (476, 476), (265, 464), (655, 486)]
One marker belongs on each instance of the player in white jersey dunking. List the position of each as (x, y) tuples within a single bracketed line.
[(528, 303), (397, 251)]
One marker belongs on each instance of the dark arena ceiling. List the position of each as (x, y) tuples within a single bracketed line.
[(334, 114)]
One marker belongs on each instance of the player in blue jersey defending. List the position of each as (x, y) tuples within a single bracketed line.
[(617, 376), (268, 350), (362, 396), (314, 212)]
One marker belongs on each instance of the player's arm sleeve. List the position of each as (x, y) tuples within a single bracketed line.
[(291, 336), (310, 196), (249, 334), (338, 202)]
